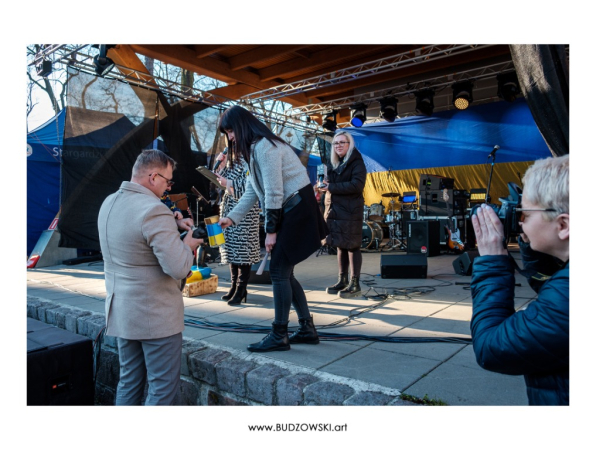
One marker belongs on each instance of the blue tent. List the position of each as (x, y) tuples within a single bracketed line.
[(44, 148)]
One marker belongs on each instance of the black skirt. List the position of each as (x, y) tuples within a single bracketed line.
[(302, 229)]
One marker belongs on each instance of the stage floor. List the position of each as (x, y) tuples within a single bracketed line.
[(405, 334)]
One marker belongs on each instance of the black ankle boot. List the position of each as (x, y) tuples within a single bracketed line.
[(276, 340), (239, 296), (306, 334), (342, 282), (353, 289)]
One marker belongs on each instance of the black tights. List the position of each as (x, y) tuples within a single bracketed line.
[(347, 257)]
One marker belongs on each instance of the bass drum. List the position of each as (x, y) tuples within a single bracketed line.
[(372, 234)]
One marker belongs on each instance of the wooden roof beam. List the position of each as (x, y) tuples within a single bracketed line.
[(261, 54)]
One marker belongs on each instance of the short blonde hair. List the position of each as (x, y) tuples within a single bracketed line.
[(334, 157), (546, 184)]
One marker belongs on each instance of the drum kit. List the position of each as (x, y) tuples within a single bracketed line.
[(377, 215)]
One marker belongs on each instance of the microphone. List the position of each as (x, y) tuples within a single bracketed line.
[(218, 162), (492, 154)]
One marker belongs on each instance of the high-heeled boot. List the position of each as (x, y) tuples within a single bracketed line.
[(239, 296), (233, 279), (306, 334), (276, 340), (353, 289), (241, 293), (342, 283)]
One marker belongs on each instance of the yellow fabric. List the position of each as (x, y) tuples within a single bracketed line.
[(466, 178)]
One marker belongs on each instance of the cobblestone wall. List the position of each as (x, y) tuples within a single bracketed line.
[(213, 375)]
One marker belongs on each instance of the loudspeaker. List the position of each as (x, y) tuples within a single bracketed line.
[(404, 266), (59, 366), (423, 237), (264, 278), (463, 263)]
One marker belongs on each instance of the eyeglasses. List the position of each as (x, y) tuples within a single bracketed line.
[(338, 143), (170, 182), (521, 217)]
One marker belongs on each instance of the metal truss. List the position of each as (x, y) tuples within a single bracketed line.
[(75, 58), (402, 89), (379, 66)]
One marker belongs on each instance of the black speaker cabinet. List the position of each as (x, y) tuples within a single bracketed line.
[(264, 278), (423, 237), (59, 366), (404, 266), (463, 263)]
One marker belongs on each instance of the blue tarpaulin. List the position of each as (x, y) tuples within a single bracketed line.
[(44, 147), (452, 138)]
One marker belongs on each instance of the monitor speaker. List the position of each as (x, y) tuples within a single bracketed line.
[(463, 263), (423, 237), (404, 266), (264, 278), (59, 366)]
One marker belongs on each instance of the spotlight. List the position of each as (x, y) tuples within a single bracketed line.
[(462, 94), (329, 122), (358, 114), (508, 86), (102, 63), (388, 108), (44, 68), (424, 101)]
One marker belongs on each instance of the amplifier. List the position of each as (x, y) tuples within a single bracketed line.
[(434, 182), (264, 278), (433, 203), (404, 266), (59, 366)]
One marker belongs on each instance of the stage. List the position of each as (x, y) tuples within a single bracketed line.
[(409, 335)]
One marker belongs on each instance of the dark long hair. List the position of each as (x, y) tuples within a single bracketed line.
[(247, 130)]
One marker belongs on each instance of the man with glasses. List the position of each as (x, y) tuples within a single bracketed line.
[(533, 342), (144, 261)]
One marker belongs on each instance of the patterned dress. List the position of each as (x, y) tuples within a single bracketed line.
[(242, 241)]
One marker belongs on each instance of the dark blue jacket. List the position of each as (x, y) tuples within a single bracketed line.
[(533, 342)]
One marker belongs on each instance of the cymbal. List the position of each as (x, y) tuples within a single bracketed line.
[(390, 194)]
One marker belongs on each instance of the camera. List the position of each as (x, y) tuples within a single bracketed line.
[(507, 211), (198, 232)]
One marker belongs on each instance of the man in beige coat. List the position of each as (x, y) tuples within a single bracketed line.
[(144, 261)]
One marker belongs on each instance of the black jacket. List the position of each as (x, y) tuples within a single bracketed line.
[(533, 342), (344, 203)]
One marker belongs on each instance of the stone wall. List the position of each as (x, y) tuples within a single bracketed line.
[(213, 375)]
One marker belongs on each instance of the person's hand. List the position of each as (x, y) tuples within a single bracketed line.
[(184, 224), (192, 242), (221, 157), (177, 215), (270, 241), (223, 181), (489, 232), (224, 222)]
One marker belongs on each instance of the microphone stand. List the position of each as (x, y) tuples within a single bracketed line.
[(490, 177)]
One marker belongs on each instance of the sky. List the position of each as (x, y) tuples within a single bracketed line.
[(275, 22)]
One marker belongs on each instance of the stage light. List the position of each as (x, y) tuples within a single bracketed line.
[(388, 108), (44, 68), (508, 86), (102, 63), (329, 121), (424, 101), (358, 114), (462, 94)]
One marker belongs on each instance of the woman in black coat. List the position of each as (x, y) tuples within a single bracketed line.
[(344, 210)]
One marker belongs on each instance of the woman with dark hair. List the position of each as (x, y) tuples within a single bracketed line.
[(293, 223), (344, 209)]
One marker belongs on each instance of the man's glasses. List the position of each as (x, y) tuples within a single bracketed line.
[(170, 182), (338, 143), (521, 217)]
